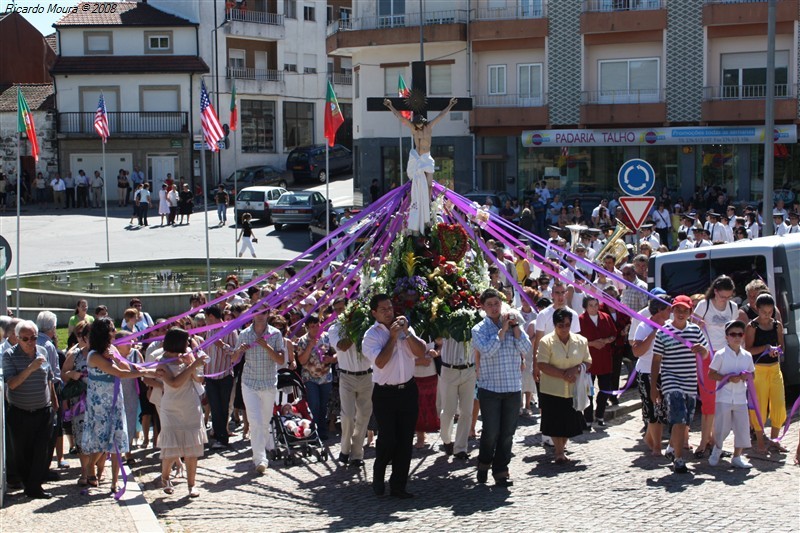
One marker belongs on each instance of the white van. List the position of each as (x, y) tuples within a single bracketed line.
[(776, 260)]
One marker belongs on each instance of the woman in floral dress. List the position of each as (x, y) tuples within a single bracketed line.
[(105, 429), (314, 354)]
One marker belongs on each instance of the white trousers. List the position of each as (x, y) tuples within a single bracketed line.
[(355, 393), (247, 244), (457, 388), (732, 417), (260, 405)]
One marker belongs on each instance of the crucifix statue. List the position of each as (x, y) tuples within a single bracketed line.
[(420, 162)]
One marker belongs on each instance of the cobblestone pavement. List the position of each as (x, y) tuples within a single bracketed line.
[(612, 485)]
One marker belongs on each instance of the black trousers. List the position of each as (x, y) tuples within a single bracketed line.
[(604, 383), (70, 197), (396, 413), (30, 432), (218, 392), (83, 197)]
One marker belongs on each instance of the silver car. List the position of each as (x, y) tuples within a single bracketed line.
[(301, 207)]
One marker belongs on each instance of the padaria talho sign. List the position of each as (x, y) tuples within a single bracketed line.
[(785, 134)]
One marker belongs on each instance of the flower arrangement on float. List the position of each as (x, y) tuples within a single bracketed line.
[(434, 280)]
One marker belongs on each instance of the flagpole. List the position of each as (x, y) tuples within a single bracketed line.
[(400, 139), (19, 193), (235, 192), (105, 200), (205, 211), (327, 194)]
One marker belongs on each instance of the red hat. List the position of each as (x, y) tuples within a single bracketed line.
[(682, 301)]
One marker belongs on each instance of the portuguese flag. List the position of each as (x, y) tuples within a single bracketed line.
[(333, 116), (403, 92), (234, 113), (25, 123)]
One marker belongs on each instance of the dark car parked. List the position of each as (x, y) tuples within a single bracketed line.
[(250, 176), (308, 162)]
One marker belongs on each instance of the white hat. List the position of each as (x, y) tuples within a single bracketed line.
[(310, 300)]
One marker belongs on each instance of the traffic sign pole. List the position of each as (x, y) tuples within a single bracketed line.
[(637, 208)]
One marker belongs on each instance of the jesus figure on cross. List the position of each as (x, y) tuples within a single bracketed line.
[(420, 167)]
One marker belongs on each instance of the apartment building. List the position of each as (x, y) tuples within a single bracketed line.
[(273, 53), (146, 64), (567, 90)]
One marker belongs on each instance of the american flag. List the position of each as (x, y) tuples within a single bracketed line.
[(101, 119), (212, 129)]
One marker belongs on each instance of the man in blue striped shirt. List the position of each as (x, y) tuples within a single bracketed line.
[(501, 345)]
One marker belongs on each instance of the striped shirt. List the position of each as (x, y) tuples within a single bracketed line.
[(260, 370), (34, 392), (499, 360), (221, 357), (457, 353), (678, 363)]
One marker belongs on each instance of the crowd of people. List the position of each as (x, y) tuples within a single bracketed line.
[(175, 200), (709, 218), (109, 392)]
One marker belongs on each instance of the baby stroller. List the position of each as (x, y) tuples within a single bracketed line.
[(289, 446)]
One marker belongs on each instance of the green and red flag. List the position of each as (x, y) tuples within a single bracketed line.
[(403, 92), (25, 123), (234, 113), (333, 116)]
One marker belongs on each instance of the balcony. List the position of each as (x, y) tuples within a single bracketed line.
[(341, 78), (646, 106), (624, 16), (595, 6), (439, 26), (521, 26), (256, 80), (745, 103), (126, 123), (724, 12), (251, 24), (508, 113)]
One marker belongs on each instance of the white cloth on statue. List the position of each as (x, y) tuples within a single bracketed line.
[(419, 213)]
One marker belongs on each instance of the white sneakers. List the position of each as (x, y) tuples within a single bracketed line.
[(261, 468), (736, 462), (713, 459)]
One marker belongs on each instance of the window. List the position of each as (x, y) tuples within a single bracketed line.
[(309, 13), (97, 42), (309, 63), (744, 75), (391, 79), (158, 42), (529, 84), (236, 61), (345, 13), (298, 124), (356, 80), (328, 15), (258, 126), (440, 80), (290, 9), (629, 81), (290, 61), (391, 13), (159, 98), (497, 79)]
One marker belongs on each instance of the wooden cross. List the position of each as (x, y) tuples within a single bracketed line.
[(418, 101)]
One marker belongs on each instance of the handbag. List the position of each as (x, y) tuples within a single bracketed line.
[(73, 389)]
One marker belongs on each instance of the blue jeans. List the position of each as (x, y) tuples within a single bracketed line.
[(499, 414), (222, 212), (318, 403), (218, 393)]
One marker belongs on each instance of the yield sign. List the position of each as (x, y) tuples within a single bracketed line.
[(637, 208)]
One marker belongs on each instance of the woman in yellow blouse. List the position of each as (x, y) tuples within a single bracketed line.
[(559, 357)]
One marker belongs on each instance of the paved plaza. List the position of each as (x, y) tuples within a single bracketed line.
[(612, 485)]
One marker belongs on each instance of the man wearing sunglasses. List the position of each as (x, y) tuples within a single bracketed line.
[(29, 378)]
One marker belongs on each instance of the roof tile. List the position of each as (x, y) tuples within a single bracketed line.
[(124, 13), (39, 96)]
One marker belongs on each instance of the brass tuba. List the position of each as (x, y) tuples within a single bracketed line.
[(575, 235), (615, 246)]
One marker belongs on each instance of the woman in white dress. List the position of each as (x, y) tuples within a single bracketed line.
[(163, 203)]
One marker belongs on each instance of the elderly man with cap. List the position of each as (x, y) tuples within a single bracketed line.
[(675, 364), (32, 398), (780, 227), (794, 223)]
